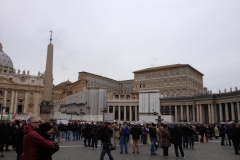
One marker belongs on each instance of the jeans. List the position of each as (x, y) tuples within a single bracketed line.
[(104, 152), (75, 135), (124, 141), (68, 136), (94, 141), (153, 142), (63, 134), (185, 141)]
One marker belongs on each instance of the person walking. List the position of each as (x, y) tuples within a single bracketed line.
[(191, 137), (216, 132), (136, 132), (32, 141), (19, 142), (177, 135), (107, 133), (165, 140)]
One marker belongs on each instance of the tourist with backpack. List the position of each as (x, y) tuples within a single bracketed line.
[(124, 134)]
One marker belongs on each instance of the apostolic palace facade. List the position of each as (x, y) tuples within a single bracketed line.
[(177, 89)]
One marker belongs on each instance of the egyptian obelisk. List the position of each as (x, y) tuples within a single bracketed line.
[(48, 79), (46, 104)]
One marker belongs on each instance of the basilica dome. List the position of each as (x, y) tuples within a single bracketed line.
[(6, 64)]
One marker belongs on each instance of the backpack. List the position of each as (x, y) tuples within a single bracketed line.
[(126, 131)]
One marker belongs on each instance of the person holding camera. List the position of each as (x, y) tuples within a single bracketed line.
[(107, 133)]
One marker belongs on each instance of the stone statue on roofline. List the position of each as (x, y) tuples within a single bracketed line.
[(230, 89), (225, 91), (219, 91), (236, 88)]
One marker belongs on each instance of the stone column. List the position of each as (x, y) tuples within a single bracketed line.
[(233, 113), (5, 101), (130, 113), (36, 105), (197, 113), (107, 109), (209, 114), (238, 110), (176, 118), (193, 111), (200, 113), (25, 103), (136, 113), (226, 112), (114, 113), (212, 112), (12, 102), (187, 108), (125, 113), (181, 112), (220, 112), (119, 113), (15, 103)]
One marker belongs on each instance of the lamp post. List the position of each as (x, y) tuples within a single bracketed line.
[(2, 108), (104, 110)]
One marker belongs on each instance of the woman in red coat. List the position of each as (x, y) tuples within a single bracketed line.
[(32, 141)]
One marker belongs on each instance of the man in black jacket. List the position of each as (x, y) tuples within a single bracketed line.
[(153, 137), (177, 135), (107, 133), (136, 132)]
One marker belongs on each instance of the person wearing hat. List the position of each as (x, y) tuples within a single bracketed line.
[(115, 134), (46, 130)]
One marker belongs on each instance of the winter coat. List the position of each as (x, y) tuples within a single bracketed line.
[(236, 135), (159, 133), (31, 143), (136, 132), (45, 153), (165, 137), (19, 143), (116, 131), (216, 131), (152, 132), (3, 136), (176, 135)]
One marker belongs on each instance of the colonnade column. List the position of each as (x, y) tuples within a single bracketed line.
[(36, 105), (136, 110), (200, 115), (119, 113), (5, 101), (193, 111), (226, 112), (12, 100), (181, 112), (114, 113), (220, 112), (130, 113), (15, 103), (209, 114), (233, 113), (125, 115), (187, 113), (176, 118), (238, 110), (197, 105), (212, 112), (25, 102)]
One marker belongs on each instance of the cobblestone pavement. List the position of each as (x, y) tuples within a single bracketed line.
[(73, 150)]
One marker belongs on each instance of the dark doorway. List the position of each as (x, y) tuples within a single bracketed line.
[(19, 109)]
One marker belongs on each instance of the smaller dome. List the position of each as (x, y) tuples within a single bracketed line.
[(5, 60)]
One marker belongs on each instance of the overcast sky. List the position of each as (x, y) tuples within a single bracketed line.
[(115, 38)]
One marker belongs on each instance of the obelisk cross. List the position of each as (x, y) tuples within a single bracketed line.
[(51, 36)]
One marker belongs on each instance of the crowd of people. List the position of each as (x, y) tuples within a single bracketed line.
[(39, 141)]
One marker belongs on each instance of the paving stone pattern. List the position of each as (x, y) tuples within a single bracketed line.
[(74, 150)]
